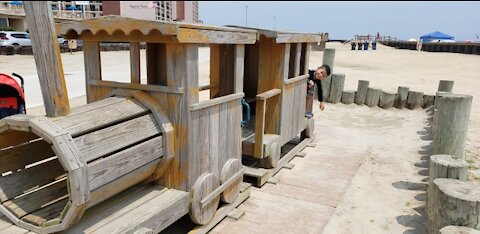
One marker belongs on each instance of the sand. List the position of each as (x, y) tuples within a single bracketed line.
[(386, 192)]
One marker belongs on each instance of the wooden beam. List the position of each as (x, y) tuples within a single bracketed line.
[(239, 68), (296, 66), (93, 68), (47, 57), (135, 62)]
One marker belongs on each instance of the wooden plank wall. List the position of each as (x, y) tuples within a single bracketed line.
[(293, 106), (271, 63), (215, 138)]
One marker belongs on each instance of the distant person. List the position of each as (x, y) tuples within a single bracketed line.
[(359, 45), (315, 77), (374, 45), (353, 44), (365, 45)]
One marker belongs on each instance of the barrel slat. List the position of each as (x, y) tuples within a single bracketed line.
[(103, 116), (18, 182), (47, 213), (105, 170), (18, 157), (13, 138), (34, 201), (111, 139)]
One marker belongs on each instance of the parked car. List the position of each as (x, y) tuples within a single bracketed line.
[(12, 38), (61, 40)]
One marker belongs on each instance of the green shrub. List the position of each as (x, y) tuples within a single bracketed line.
[(5, 28)]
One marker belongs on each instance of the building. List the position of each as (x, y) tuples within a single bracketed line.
[(12, 13)]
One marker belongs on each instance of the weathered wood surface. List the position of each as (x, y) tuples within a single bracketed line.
[(362, 90), (230, 169), (453, 202), (105, 115), (401, 97), (348, 96), (386, 100), (414, 100), (451, 124), (328, 59), (99, 143), (373, 97), (336, 88), (205, 185), (293, 109), (119, 28), (47, 57), (93, 70), (428, 100), (445, 86), (458, 230), (447, 166), (15, 158), (135, 76), (155, 88)]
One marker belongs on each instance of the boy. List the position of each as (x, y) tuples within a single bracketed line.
[(315, 77)]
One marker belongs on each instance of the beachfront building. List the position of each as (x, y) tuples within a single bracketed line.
[(12, 14)]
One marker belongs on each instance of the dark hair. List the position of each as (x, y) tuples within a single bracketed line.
[(327, 69)]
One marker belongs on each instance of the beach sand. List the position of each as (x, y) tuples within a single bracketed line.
[(386, 191)]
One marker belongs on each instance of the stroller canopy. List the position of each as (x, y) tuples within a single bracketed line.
[(10, 81)]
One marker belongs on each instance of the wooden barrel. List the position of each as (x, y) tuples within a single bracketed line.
[(53, 169)]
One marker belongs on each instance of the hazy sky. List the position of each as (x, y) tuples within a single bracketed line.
[(343, 20)]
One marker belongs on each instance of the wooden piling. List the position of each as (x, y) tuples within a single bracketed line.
[(336, 88), (451, 124), (447, 166), (445, 85), (386, 100), (348, 97), (414, 100), (458, 230), (428, 100), (401, 97), (328, 59), (373, 97), (361, 92), (453, 202)]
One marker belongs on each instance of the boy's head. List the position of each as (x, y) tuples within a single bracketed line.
[(322, 72)]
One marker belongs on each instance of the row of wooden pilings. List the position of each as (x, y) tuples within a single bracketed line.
[(370, 96), (453, 204), (451, 199), (452, 47)]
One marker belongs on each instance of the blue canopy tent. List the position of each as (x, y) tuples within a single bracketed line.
[(435, 36), (71, 7)]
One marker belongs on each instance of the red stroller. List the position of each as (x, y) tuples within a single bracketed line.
[(12, 97)]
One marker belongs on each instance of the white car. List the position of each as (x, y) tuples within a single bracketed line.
[(11, 38)]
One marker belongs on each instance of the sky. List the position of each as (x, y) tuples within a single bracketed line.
[(343, 20)]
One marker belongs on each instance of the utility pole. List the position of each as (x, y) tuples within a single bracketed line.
[(246, 15)]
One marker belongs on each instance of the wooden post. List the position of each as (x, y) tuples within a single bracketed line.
[(328, 59), (445, 85), (348, 97), (414, 100), (458, 230), (428, 100), (453, 202), (451, 124), (338, 82), (361, 92), (135, 62), (447, 166), (435, 117), (386, 100), (373, 97), (47, 57), (401, 97), (93, 69)]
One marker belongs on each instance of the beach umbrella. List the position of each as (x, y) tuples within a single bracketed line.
[(16, 3)]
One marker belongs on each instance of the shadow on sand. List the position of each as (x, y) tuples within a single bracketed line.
[(417, 223)]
